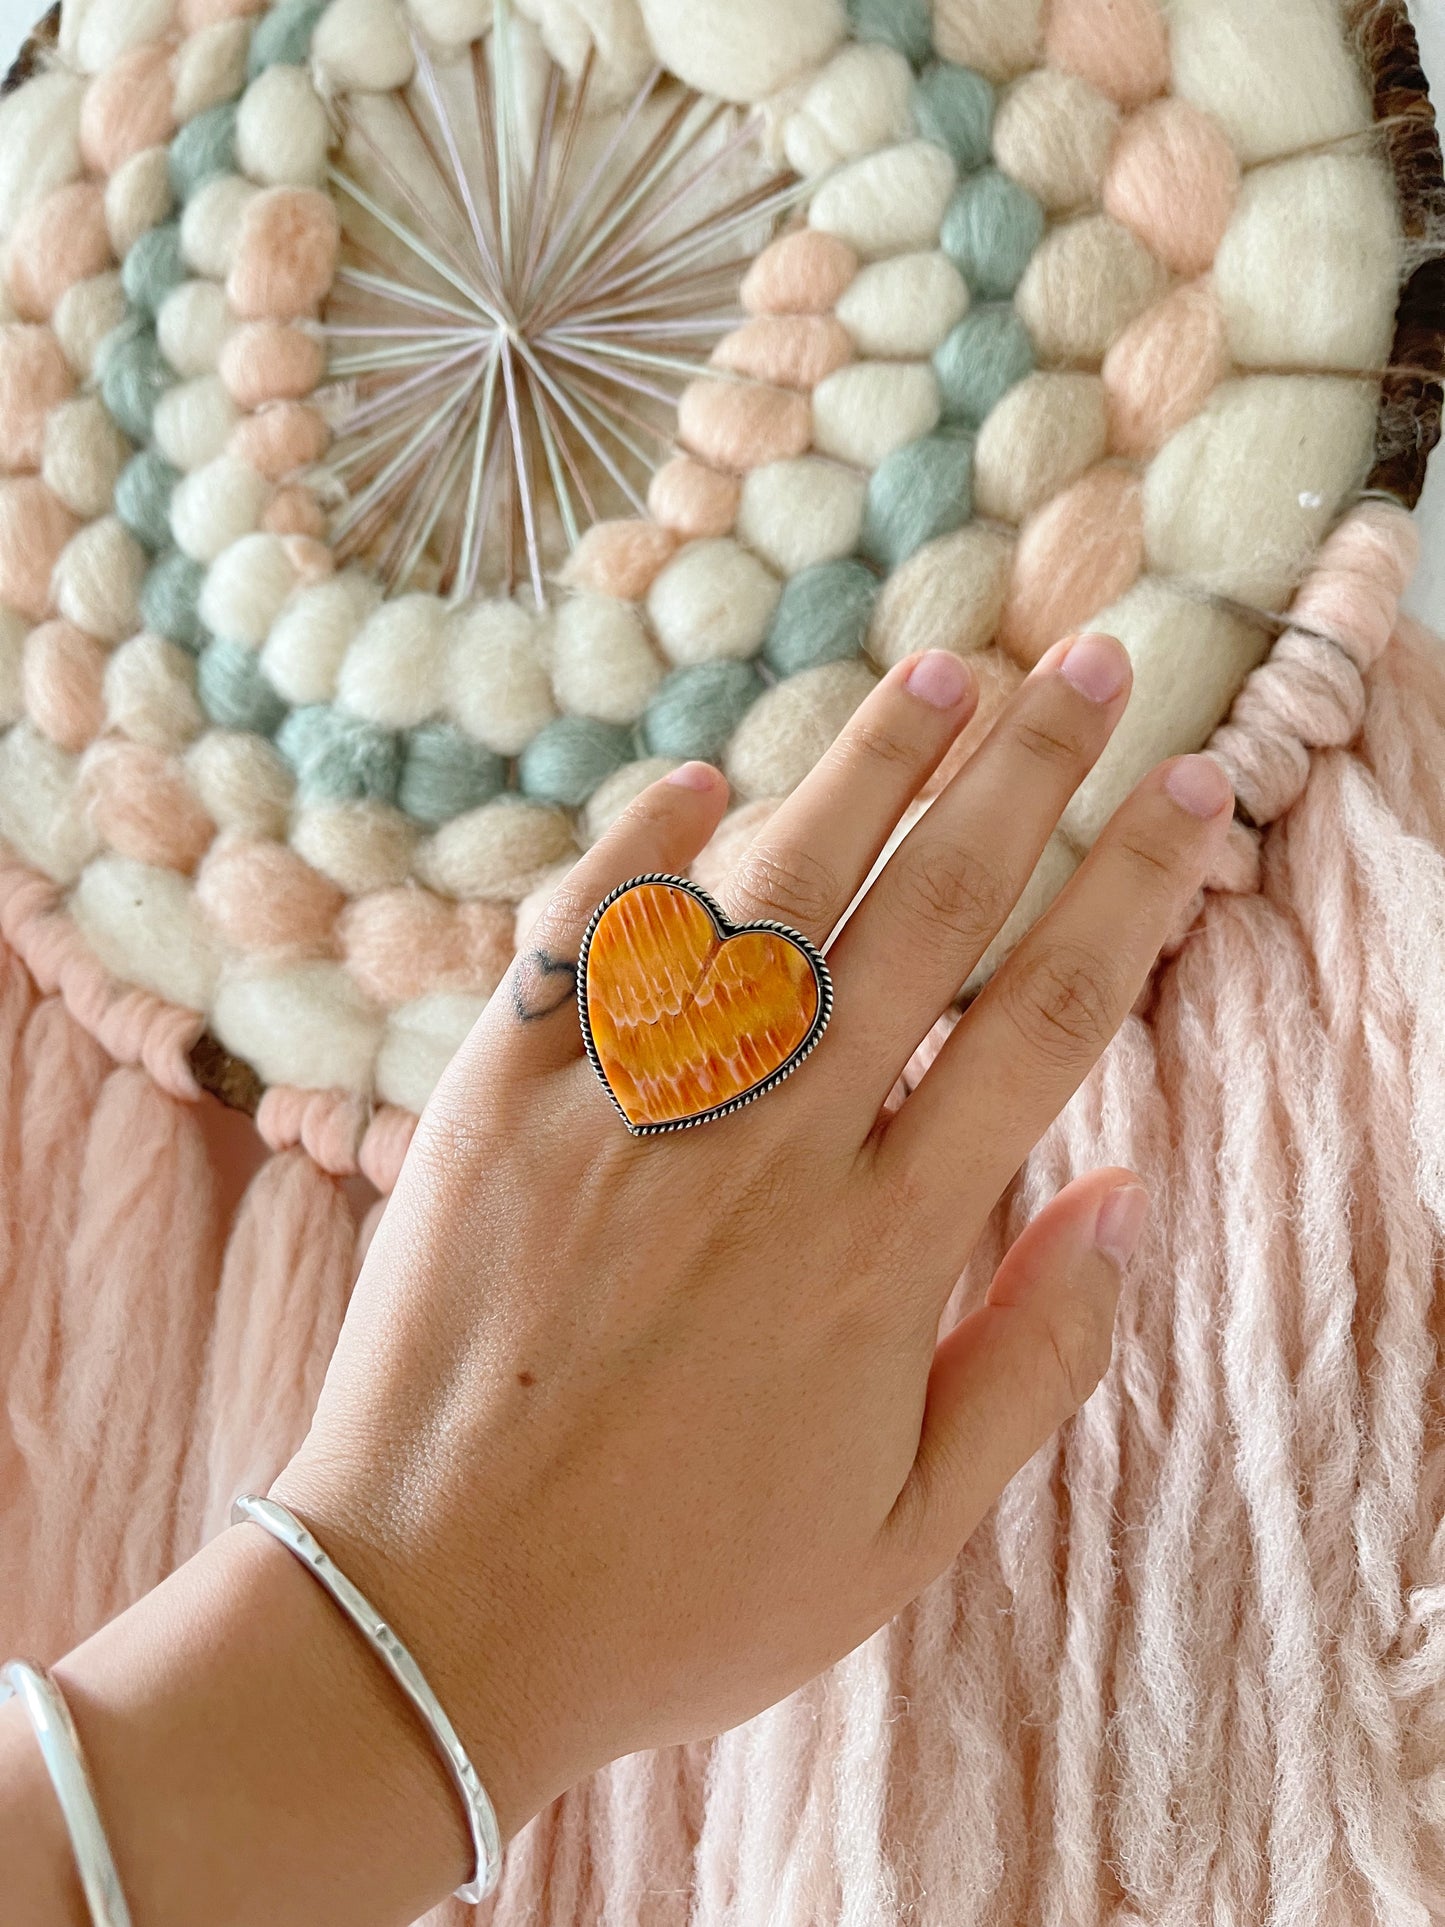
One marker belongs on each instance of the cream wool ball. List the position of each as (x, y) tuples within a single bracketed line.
[(1044, 433), (138, 197), (39, 141), (949, 595), (245, 588), (1052, 133), (211, 224), (42, 814), (193, 422), (1238, 501), (98, 580), (612, 30), (453, 23), (1278, 78), (150, 693), (498, 851), (83, 456), (215, 506), (308, 1026), (904, 308), (394, 673), (1053, 870), (241, 782), (713, 601), (94, 33), (616, 792), (362, 45), (210, 67), (1086, 282), (794, 514), (891, 202), (787, 731), (145, 926), (282, 133), (1308, 271), (499, 686), (869, 409), (602, 662), (745, 50), (303, 653), (360, 846), (192, 326), (1190, 658), (1000, 38), (861, 100), (420, 1040), (13, 631), (84, 315)]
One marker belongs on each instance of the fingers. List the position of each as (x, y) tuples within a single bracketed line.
[(1027, 1043), (814, 854), (951, 883), (1011, 1373)]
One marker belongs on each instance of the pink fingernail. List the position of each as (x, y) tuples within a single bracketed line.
[(1199, 785), (1120, 1223), (1097, 667), (940, 679), (694, 776)]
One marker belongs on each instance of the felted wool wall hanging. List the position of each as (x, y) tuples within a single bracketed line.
[(422, 425)]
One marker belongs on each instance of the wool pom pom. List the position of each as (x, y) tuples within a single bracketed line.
[(261, 896), (740, 425), (282, 134), (454, 23), (796, 514), (1000, 38), (99, 33), (499, 688), (1241, 497), (948, 595), (84, 455), (789, 351), (611, 31), (696, 710), (902, 24), (150, 694), (746, 50), (232, 689), (785, 734), (294, 510), (127, 108), (692, 499), (307, 1026), (1309, 272), (619, 558), (1173, 179), (887, 203), (39, 141), (169, 598), (1119, 46), (987, 354), (265, 361), (715, 864), (211, 224), (620, 790), (42, 813), (713, 600), (210, 68), (1053, 134), (34, 379), (565, 761), (362, 46), (215, 506), (13, 631), (283, 34), (800, 273), (337, 758), (246, 587), (285, 255), (1042, 436), (858, 102), (56, 243), (137, 198), (144, 925), (990, 231), (192, 422), (192, 325), (282, 439), (923, 491), (85, 317), (402, 943), (904, 308), (823, 616), (35, 526), (1089, 279), (444, 773), (143, 498), (61, 675), (204, 150), (420, 1040), (1080, 551), (866, 411), (498, 851), (98, 580), (1162, 369), (143, 806), (602, 662), (360, 846), (394, 673), (303, 653), (241, 782), (955, 106), (153, 268)]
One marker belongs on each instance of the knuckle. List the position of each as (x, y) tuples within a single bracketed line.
[(792, 885), (870, 739), (1064, 1001), (1080, 1341), (939, 889), (1153, 861), (1051, 743)]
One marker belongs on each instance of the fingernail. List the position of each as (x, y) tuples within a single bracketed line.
[(1097, 667), (1121, 1223), (694, 776), (1199, 785), (940, 679)]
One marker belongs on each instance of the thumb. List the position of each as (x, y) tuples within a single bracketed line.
[(1011, 1372)]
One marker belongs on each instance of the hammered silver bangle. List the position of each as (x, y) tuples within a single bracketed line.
[(60, 1749), (481, 1818)]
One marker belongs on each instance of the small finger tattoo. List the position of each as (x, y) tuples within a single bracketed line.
[(542, 984)]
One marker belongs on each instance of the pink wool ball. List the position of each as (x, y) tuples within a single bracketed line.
[(1173, 180), (693, 499), (620, 559), (791, 351), (60, 241), (143, 805), (295, 511), (1119, 46), (34, 378), (736, 425), (285, 256), (127, 108), (281, 439), (801, 273), (1077, 555), (267, 361), (261, 896), (35, 526), (400, 944), (63, 670), (1163, 368)]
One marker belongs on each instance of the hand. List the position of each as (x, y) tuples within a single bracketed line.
[(629, 1437)]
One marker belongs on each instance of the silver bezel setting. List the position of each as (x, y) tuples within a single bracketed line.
[(725, 929)]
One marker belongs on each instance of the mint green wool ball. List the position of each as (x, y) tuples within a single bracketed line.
[(568, 759), (988, 353), (339, 759), (695, 711), (823, 616), (904, 24), (445, 772), (990, 231), (170, 598), (153, 267), (233, 691), (282, 38), (923, 490), (134, 375), (205, 147), (143, 498), (954, 106)]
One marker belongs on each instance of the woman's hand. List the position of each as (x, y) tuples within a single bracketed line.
[(629, 1437)]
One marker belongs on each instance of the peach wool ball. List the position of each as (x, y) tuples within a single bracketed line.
[(34, 379), (285, 255), (61, 241)]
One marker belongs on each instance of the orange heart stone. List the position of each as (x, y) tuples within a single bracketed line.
[(685, 1014)]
